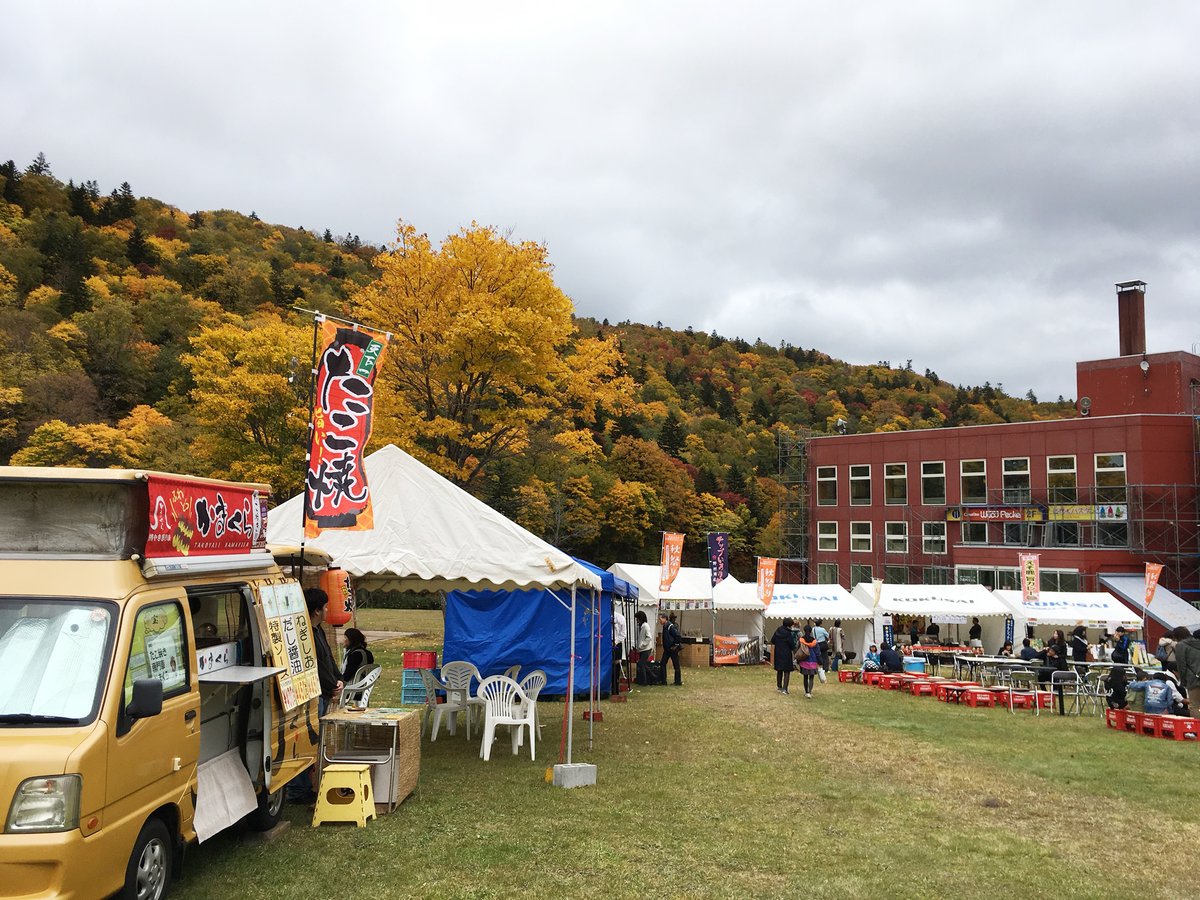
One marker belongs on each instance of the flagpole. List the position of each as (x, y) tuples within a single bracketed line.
[(312, 395)]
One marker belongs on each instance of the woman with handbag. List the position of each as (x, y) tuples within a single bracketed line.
[(808, 655)]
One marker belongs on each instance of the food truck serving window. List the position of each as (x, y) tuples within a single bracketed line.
[(159, 649), (54, 658), (72, 520)]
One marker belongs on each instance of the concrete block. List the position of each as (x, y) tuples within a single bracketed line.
[(572, 775)]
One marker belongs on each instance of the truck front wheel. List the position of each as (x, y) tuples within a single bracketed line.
[(148, 873)]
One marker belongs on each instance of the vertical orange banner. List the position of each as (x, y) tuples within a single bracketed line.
[(766, 580), (1153, 570), (672, 556), (1031, 577)]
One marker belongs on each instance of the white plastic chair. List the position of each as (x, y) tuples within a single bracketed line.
[(458, 676), (532, 685), (357, 693), (512, 671), (505, 704), (434, 711)]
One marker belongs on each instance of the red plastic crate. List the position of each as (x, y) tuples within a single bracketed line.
[(419, 659)]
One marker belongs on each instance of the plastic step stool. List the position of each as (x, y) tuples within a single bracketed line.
[(345, 795)]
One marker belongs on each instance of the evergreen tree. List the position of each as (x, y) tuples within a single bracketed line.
[(254, 216), (672, 436), (39, 166), (196, 220), (328, 236), (337, 268), (137, 250), (11, 175)]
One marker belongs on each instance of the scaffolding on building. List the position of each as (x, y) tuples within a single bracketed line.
[(793, 509)]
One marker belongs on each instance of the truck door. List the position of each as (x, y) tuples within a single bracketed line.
[(152, 760)]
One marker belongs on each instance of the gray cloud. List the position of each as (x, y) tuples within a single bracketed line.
[(956, 184)]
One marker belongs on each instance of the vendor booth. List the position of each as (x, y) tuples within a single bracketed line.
[(951, 606), (803, 603), (1098, 611), (737, 623), (430, 535)]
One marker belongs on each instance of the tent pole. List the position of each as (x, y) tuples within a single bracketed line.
[(592, 667), (571, 680)]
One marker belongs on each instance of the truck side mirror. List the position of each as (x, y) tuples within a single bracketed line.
[(147, 699)]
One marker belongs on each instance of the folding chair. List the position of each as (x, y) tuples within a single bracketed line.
[(1067, 684)]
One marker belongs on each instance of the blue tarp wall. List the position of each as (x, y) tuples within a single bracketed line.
[(497, 629)]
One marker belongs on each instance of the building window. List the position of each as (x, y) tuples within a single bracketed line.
[(895, 537), (895, 574), (1110, 477), (973, 480), (860, 537), (1112, 534), (974, 533), (860, 485), (1064, 534), (895, 484), (860, 574), (933, 483), (937, 575), (1060, 580), (827, 536), (1016, 533), (1016, 480), (1008, 580), (1061, 479), (827, 573), (973, 575), (933, 538), (826, 485)]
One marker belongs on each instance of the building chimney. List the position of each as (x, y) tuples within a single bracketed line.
[(1131, 313)]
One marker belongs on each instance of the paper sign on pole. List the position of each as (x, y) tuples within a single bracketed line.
[(672, 556), (1153, 570), (1030, 565)]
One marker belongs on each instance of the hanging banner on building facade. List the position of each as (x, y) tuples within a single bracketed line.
[(336, 494), (718, 556), (190, 517), (995, 514), (1031, 576), (672, 556), (766, 580), (1153, 570), (1087, 512)]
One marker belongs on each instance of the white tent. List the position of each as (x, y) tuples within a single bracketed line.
[(432, 535), (737, 609), (691, 589), (952, 604), (1066, 609), (827, 602)]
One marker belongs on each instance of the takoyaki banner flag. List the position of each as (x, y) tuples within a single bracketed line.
[(336, 494)]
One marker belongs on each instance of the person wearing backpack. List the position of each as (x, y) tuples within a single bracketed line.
[(808, 655), (671, 641)]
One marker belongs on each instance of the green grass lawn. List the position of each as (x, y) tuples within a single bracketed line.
[(724, 788)]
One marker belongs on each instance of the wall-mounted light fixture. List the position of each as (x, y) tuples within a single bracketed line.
[(1144, 365)]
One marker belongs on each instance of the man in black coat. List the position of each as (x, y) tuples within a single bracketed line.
[(889, 660), (671, 641)]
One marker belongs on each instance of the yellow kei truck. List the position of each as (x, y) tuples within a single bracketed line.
[(157, 676)]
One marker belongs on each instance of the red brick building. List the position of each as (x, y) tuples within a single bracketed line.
[(1097, 495)]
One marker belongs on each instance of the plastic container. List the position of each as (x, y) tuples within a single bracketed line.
[(419, 659), (914, 664)]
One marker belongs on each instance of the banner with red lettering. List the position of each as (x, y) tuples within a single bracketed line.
[(1031, 575), (196, 518), (725, 650), (1153, 570), (336, 494), (672, 556), (766, 580)]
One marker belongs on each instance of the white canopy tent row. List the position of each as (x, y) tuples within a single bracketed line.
[(829, 603), (431, 535), (953, 606)]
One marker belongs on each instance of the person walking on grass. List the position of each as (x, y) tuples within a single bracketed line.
[(783, 651), (671, 641), (808, 654), (821, 635)]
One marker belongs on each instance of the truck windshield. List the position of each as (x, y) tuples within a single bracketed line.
[(53, 660)]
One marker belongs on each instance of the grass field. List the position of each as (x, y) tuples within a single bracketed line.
[(724, 788)]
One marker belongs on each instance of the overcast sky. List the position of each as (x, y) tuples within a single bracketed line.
[(955, 183)]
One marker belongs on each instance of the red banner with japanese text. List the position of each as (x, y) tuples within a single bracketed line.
[(725, 650), (766, 580), (336, 494), (1153, 570), (1031, 576), (672, 556), (189, 517)]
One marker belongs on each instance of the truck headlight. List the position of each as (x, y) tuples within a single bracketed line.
[(48, 803)]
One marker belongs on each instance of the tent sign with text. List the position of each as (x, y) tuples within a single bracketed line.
[(336, 493), (193, 517), (672, 556)]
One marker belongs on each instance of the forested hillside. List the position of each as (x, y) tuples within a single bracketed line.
[(133, 333)]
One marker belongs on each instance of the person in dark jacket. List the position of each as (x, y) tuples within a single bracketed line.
[(357, 654), (1120, 652), (1116, 687), (671, 641), (1187, 659), (783, 651), (976, 632), (1056, 661), (1079, 644), (300, 789), (1027, 652), (890, 660)]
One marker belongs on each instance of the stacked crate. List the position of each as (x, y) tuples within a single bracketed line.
[(412, 688)]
